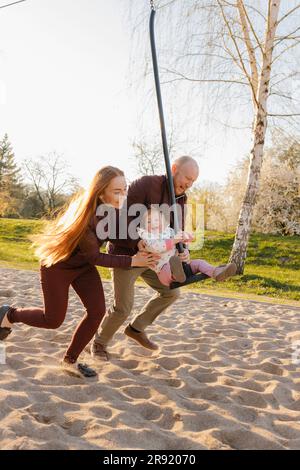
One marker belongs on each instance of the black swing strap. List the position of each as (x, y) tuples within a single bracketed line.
[(162, 123), (190, 277)]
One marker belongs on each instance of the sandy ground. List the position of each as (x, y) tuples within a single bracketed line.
[(223, 379)]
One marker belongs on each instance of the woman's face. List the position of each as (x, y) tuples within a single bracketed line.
[(115, 193)]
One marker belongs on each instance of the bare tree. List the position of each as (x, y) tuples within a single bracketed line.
[(148, 160), (148, 154), (243, 55), (50, 180)]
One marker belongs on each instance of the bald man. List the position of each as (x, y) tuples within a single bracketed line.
[(147, 190)]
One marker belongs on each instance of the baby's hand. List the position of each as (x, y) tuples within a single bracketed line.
[(190, 237), (183, 237)]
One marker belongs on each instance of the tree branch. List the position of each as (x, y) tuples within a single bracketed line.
[(283, 115), (252, 58), (213, 80), (288, 13), (284, 51), (238, 51)]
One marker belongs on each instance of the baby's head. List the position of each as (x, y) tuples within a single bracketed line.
[(153, 221)]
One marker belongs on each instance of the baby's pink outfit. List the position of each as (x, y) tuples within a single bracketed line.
[(197, 265), (164, 244)]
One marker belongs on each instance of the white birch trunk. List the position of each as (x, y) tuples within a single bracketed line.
[(239, 249)]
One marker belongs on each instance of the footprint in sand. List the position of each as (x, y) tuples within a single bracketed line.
[(270, 368), (6, 293), (137, 392), (249, 398), (130, 364), (240, 438), (169, 363), (74, 427), (101, 412), (176, 383), (168, 419), (149, 411), (204, 378)]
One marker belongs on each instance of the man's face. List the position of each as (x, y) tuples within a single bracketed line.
[(184, 177)]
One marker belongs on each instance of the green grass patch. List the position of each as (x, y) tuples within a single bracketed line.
[(272, 267)]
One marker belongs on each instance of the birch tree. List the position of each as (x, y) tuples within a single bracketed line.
[(260, 86)]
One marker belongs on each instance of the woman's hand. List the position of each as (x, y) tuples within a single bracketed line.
[(143, 259)]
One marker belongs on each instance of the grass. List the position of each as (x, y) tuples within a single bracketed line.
[(272, 267)]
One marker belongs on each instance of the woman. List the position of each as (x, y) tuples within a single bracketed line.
[(68, 250)]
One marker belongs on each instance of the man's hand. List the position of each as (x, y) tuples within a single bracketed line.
[(142, 245), (184, 257)]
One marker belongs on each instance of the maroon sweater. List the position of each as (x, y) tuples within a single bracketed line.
[(88, 252)]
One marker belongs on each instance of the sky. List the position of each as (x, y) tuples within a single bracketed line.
[(64, 88)]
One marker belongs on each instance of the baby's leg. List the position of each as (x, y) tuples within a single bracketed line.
[(201, 266), (165, 275)]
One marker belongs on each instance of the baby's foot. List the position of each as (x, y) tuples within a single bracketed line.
[(177, 269), (224, 272)]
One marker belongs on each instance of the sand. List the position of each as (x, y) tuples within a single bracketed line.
[(223, 378)]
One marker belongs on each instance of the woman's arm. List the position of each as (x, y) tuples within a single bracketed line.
[(89, 247)]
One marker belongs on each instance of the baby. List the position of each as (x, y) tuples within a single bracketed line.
[(160, 238)]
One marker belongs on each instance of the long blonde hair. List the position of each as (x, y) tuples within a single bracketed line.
[(61, 236)]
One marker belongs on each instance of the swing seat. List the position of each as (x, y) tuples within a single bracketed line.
[(190, 277)]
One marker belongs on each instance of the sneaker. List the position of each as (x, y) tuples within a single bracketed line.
[(77, 369)]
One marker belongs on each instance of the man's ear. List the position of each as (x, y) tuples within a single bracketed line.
[(174, 168)]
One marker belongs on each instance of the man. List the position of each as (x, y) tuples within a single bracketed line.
[(147, 190)]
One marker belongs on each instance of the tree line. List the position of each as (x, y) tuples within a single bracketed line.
[(37, 188)]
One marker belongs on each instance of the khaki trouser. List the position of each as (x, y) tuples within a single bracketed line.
[(123, 287)]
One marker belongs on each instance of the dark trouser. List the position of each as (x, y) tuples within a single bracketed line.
[(55, 282)]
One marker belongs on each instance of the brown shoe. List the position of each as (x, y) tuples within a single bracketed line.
[(99, 352), (141, 338), (224, 272)]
